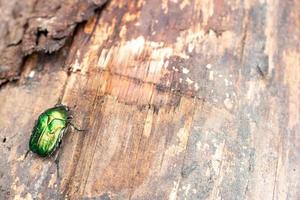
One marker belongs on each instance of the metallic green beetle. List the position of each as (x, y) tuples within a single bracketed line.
[(49, 129)]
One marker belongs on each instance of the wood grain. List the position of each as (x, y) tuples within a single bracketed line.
[(189, 99)]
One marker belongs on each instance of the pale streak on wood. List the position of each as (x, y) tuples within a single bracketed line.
[(164, 6), (148, 123), (290, 144), (104, 30), (291, 59), (184, 3), (173, 193), (217, 166), (129, 54), (195, 36), (250, 3), (204, 7), (271, 32)]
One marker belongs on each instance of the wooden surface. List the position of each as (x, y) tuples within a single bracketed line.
[(191, 99)]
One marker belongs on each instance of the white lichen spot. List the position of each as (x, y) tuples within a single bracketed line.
[(175, 69), (185, 70), (136, 45), (226, 82), (199, 145), (208, 66), (191, 47), (220, 75), (31, 74), (189, 81)]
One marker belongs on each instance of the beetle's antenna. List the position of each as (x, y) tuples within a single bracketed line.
[(76, 128)]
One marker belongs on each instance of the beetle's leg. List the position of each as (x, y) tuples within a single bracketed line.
[(58, 104), (77, 129), (70, 117), (59, 144), (26, 154), (61, 105)]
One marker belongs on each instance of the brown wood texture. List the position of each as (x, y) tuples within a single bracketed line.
[(190, 99)]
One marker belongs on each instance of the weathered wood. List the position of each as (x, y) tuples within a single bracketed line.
[(182, 100)]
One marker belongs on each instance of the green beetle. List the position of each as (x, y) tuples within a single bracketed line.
[(49, 129)]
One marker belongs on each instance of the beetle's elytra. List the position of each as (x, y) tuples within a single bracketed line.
[(49, 130)]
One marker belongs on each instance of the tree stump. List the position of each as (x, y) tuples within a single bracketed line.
[(191, 99)]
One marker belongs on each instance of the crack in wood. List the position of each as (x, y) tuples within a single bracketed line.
[(168, 90)]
